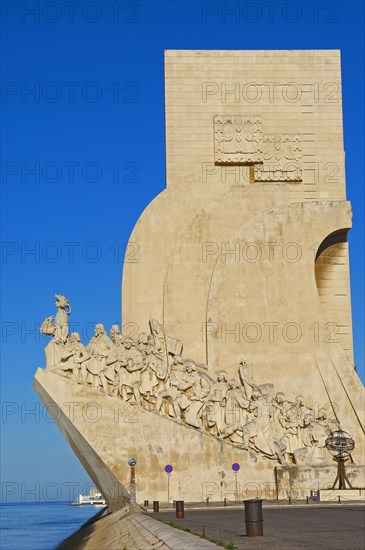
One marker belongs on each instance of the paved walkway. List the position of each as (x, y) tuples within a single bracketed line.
[(331, 527), (133, 532)]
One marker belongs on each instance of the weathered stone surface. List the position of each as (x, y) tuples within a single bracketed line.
[(241, 261), (105, 432), (298, 481), (200, 85), (133, 532), (345, 496)]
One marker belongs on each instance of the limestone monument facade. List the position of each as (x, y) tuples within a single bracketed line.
[(235, 344)]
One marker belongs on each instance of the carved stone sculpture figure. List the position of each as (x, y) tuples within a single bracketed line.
[(73, 360), (266, 440), (245, 375), (300, 408), (169, 392), (216, 403), (192, 391), (330, 424), (289, 434), (131, 373), (109, 375), (98, 348), (57, 328), (237, 415), (61, 319), (151, 376), (319, 431)]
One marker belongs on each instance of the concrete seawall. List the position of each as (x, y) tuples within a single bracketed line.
[(132, 531)]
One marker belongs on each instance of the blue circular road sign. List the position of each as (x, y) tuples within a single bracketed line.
[(168, 469), (235, 467)]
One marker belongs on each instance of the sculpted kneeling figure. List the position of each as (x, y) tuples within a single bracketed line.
[(73, 360)]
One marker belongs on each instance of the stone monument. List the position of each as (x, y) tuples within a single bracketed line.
[(235, 345)]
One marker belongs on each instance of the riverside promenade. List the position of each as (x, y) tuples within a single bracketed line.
[(286, 527), (299, 526)]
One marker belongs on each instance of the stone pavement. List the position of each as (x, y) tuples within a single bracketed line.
[(318, 527), (118, 531)]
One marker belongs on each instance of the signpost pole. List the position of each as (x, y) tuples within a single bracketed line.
[(235, 468), (168, 470)]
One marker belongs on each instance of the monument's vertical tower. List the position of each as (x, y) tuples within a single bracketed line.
[(293, 98), (245, 253)]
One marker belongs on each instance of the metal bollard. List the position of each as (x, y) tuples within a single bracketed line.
[(225, 502), (180, 509), (146, 503), (253, 518), (174, 503), (207, 501), (339, 499), (156, 506), (289, 500), (307, 500)]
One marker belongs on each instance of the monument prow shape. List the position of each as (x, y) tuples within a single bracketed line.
[(239, 286)]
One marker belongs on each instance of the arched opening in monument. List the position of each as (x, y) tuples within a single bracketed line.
[(332, 240), (333, 285)]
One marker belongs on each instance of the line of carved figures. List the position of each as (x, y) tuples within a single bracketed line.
[(152, 372)]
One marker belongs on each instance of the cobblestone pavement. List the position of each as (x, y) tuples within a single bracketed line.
[(316, 527)]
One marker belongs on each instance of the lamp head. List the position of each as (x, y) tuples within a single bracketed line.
[(132, 462)]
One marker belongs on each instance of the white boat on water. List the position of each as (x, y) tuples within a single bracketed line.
[(94, 498)]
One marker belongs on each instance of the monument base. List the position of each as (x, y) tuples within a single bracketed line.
[(342, 496), (105, 432), (297, 482)]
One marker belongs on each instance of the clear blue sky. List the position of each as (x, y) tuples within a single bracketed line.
[(98, 108)]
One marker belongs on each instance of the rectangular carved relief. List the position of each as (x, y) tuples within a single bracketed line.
[(282, 156), (237, 139)]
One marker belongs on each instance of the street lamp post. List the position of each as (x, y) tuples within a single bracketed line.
[(133, 493)]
